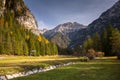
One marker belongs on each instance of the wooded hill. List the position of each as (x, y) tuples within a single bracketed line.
[(16, 40)]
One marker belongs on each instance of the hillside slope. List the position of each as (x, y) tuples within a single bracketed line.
[(62, 35), (17, 31), (109, 17)]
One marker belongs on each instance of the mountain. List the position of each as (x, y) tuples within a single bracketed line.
[(65, 29), (61, 40), (18, 29), (109, 17), (20, 11), (76, 34), (62, 34), (43, 30)]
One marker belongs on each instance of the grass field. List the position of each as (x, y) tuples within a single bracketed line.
[(15, 64), (99, 69)]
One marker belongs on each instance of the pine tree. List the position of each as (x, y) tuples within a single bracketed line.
[(25, 49), (96, 42), (16, 40), (109, 42), (2, 22), (1, 42), (115, 39), (8, 44), (88, 43), (42, 48), (104, 41)]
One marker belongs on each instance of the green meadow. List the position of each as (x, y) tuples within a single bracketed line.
[(16, 64), (106, 68)]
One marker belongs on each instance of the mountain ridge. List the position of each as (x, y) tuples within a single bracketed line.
[(64, 30), (16, 36), (20, 11), (108, 17)]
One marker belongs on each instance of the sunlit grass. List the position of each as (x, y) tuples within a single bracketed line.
[(107, 68), (14, 64)]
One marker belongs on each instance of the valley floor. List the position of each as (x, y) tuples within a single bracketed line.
[(16, 64), (107, 68)]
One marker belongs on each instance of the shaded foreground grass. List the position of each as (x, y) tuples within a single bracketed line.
[(16, 64), (99, 69)]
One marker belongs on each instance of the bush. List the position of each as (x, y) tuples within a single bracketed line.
[(91, 54), (99, 54), (84, 59)]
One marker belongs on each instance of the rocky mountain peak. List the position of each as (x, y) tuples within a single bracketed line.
[(62, 34), (65, 29), (71, 24), (21, 13), (68, 27)]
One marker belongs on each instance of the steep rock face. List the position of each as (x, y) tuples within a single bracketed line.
[(69, 27), (66, 31), (109, 17), (21, 13), (65, 28), (61, 40), (2, 7)]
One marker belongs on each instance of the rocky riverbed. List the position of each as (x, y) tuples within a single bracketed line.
[(21, 74)]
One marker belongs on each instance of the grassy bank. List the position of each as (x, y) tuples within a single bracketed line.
[(15, 64), (99, 69)]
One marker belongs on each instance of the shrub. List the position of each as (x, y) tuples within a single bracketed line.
[(99, 54), (84, 59), (91, 54)]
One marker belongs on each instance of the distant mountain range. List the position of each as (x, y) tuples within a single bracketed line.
[(109, 17), (71, 34), (61, 35)]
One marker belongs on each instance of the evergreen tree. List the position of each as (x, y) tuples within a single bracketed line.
[(115, 42), (109, 42), (96, 42), (8, 44), (16, 40), (88, 43), (104, 41), (25, 49)]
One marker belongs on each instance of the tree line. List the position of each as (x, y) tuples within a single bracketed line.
[(16, 40), (108, 41)]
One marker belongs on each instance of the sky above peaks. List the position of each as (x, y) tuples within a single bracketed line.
[(50, 13)]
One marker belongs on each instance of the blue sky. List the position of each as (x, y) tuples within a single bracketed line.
[(50, 13)]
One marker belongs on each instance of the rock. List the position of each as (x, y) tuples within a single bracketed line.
[(40, 70), (29, 73), (9, 76), (3, 78), (110, 16), (33, 71), (20, 12), (62, 34)]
